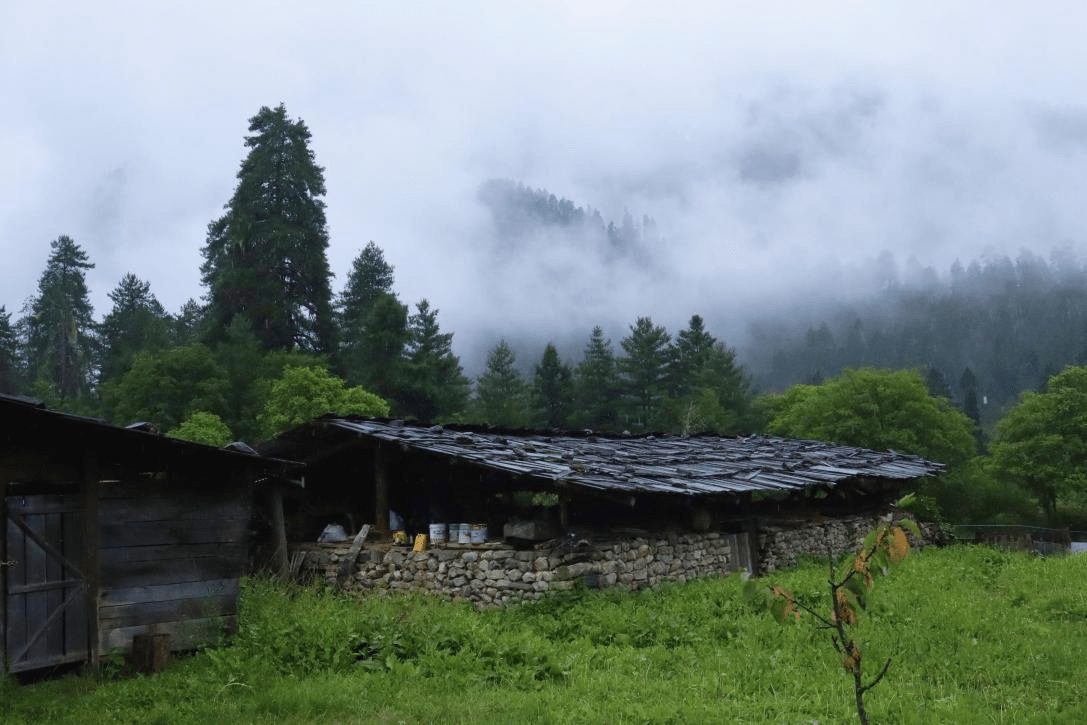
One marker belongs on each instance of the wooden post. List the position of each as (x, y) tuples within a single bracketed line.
[(151, 652), (91, 568), (279, 530), (4, 567), (381, 492), (751, 529)]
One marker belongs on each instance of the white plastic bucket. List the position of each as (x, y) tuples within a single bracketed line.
[(437, 533), (478, 533)]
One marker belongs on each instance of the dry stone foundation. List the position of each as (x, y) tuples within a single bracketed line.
[(494, 573), (490, 574), (781, 541)]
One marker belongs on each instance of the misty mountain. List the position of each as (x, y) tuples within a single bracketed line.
[(1003, 325), (523, 216)]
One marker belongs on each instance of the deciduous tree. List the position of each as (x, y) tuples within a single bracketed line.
[(877, 409), (1041, 443), (304, 393), (165, 388), (203, 427)]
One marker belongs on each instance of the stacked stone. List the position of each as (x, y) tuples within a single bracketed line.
[(782, 542), (496, 573), (491, 574)]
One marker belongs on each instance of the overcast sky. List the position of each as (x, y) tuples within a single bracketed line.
[(779, 146)]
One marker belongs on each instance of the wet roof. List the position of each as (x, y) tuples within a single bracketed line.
[(25, 423), (660, 464)]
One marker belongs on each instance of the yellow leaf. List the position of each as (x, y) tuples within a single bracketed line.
[(899, 545), (843, 609), (852, 658)]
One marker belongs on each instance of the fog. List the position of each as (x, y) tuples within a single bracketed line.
[(780, 149)]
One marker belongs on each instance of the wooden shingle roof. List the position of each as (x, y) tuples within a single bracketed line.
[(678, 465)]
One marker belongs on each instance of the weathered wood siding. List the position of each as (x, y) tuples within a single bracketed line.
[(171, 554), (45, 596)]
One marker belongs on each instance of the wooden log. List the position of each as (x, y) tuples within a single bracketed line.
[(151, 652), (348, 561), (187, 635)]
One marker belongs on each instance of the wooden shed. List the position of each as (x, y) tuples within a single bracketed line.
[(107, 533), (359, 469)]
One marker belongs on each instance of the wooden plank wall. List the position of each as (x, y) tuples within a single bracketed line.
[(171, 554), (38, 583)]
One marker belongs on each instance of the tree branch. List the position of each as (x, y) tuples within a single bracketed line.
[(879, 677)]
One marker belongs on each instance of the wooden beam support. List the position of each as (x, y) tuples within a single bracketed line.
[(5, 565), (279, 530), (90, 494), (381, 491)]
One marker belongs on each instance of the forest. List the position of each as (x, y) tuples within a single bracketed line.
[(977, 369)]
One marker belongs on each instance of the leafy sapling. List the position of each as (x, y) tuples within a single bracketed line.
[(849, 585)]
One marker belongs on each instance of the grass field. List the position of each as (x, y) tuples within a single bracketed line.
[(976, 635)]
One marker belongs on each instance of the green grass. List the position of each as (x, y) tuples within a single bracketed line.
[(977, 636)]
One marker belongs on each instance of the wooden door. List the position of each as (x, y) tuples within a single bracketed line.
[(46, 612)]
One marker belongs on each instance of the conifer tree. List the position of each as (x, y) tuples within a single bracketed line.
[(693, 349), (711, 392), (596, 385), (185, 327), (377, 360), (370, 277), (137, 323), (434, 385), (552, 391), (644, 374), (9, 355), (373, 325), (501, 392), (265, 258), (60, 346)]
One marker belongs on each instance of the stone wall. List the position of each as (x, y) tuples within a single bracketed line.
[(493, 573), (782, 540)]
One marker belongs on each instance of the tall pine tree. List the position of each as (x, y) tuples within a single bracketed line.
[(370, 277), (645, 374), (265, 258), (9, 355), (596, 385), (711, 392), (552, 391), (434, 385), (59, 342), (373, 325), (137, 323), (501, 393)]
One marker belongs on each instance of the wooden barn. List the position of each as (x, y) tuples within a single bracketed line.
[(532, 486), (108, 533)]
